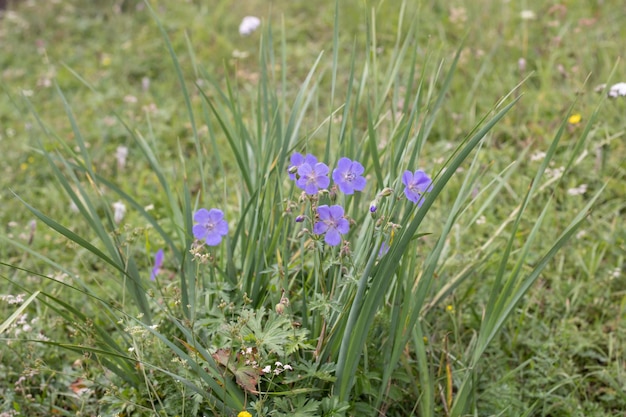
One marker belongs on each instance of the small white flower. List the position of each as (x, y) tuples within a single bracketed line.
[(120, 154), (481, 220), (119, 211), (616, 273), (278, 364), (528, 15), (581, 234), (249, 350), (237, 54), (248, 25), (581, 189), (288, 367), (130, 99), (267, 369), (618, 89), (537, 156)]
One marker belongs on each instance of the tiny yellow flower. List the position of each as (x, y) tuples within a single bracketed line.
[(23, 166), (574, 119), (244, 414), (450, 308), (105, 60)]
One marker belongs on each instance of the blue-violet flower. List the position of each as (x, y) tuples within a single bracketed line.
[(313, 177), (348, 176), (332, 223), (211, 226), (416, 184), (158, 263), (297, 160)]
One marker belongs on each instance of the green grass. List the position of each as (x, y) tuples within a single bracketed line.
[(561, 351)]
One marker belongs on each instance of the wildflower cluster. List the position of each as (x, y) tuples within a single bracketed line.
[(328, 220), (312, 177)]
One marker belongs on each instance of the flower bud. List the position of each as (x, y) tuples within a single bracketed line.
[(386, 192), (300, 219), (280, 308), (332, 194)]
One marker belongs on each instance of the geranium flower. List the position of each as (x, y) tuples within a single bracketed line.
[(313, 177), (332, 223), (158, 263), (348, 176), (297, 160), (416, 184), (211, 226)]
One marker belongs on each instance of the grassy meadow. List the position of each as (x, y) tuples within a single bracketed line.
[(494, 287)]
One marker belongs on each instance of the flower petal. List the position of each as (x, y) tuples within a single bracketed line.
[(213, 239), (336, 211), (322, 182), (357, 168), (310, 159), (201, 216), (215, 215), (343, 226), (410, 195), (199, 231), (320, 169), (407, 178), (332, 237), (324, 212), (359, 183), (158, 258), (221, 227), (320, 228)]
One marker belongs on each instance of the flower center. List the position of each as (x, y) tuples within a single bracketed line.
[(349, 176), (332, 223)]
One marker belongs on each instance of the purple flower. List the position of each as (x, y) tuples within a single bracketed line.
[(348, 176), (211, 226), (158, 263), (313, 177), (416, 184), (332, 223), (297, 160), (384, 248)]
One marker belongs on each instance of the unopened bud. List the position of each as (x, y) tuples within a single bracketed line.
[(280, 308), (386, 192), (373, 206), (332, 194), (299, 219)]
